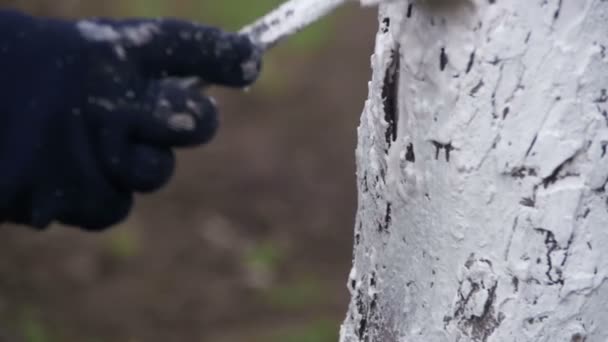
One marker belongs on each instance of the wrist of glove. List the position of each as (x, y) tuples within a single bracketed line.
[(89, 114)]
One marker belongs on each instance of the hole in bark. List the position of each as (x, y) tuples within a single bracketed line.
[(386, 24), (443, 59), (390, 93), (515, 283), (410, 156), (578, 338)]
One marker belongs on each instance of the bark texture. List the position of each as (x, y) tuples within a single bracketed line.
[(482, 168)]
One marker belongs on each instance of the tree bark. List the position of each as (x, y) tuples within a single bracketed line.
[(482, 171)]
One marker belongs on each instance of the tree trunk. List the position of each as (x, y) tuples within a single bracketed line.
[(482, 170)]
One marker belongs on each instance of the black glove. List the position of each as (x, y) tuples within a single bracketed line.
[(88, 115)]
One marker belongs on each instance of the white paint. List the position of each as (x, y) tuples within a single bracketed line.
[(137, 34), (250, 68), (508, 240), (181, 122)]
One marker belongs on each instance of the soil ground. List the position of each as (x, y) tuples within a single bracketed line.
[(250, 242)]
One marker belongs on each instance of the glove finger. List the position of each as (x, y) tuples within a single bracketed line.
[(181, 117), (149, 168), (135, 166), (107, 210), (187, 49), (171, 47)]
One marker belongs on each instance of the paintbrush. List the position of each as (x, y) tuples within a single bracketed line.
[(288, 19), (284, 21)]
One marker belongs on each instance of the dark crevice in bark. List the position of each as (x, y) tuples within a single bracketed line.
[(532, 145), (367, 309), (362, 311), (505, 112), (556, 174), (551, 245), (440, 146), (476, 88), (515, 283), (558, 10), (390, 95), (495, 61), (484, 326), (603, 98), (604, 114), (471, 62), (384, 226), (358, 233), (443, 59), (586, 213), (523, 172), (410, 155), (386, 25), (448, 150), (554, 268), (479, 327), (528, 202)]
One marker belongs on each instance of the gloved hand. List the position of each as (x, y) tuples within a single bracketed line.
[(88, 117)]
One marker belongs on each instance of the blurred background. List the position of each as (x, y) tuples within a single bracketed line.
[(250, 242)]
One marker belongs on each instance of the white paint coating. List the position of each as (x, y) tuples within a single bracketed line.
[(250, 68), (507, 239), (137, 34), (181, 122)]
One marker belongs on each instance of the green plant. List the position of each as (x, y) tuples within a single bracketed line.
[(32, 328), (322, 330), (265, 255), (296, 295), (123, 244)]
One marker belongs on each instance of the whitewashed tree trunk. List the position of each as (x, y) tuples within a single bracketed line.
[(482, 168)]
